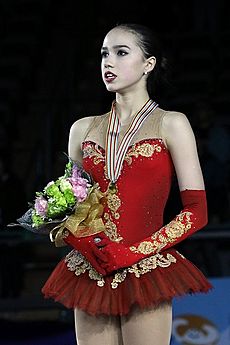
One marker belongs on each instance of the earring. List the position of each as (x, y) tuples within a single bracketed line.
[(145, 73)]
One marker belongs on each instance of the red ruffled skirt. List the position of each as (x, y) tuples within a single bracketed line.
[(164, 281)]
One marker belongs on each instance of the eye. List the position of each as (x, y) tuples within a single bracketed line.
[(104, 54), (121, 52)]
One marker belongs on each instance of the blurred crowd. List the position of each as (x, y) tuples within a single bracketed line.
[(12, 188), (213, 139)]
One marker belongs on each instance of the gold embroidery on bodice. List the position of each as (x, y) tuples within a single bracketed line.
[(144, 150), (147, 142), (93, 151), (113, 203)]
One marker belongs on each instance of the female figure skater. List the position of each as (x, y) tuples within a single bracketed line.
[(121, 282)]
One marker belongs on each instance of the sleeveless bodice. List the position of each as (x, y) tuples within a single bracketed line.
[(136, 210)]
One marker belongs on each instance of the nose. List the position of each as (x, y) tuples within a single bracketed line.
[(108, 62)]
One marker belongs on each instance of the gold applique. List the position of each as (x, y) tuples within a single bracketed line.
[(176, 228), (147, 247), (151, 263), (79, 265), (111, 229), (145, 150), (143, 266), (93, 152), (114, 202), (119, 277), (170, 233)]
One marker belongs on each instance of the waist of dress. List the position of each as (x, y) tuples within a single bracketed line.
[(78, 264)]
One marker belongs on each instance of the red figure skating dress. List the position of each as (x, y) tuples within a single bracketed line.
[(133, 212)]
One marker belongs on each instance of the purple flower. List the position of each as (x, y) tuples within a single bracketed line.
[(80, 188), (76, 172), (41, 206), (80, 192)]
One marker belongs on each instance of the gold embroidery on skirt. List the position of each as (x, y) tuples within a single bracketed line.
[(77, 263)]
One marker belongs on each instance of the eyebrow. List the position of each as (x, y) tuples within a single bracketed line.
[(117, 46)]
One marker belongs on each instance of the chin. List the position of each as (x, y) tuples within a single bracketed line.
[(111, 88)]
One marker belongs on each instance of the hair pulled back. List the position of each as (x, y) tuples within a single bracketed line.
[(150, 45)]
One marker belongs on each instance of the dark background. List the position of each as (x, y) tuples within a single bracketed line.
[(50, 77)]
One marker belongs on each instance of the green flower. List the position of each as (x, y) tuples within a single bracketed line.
[(52, 189), (70, 198), (56, 206), (37, 220), (66, 188)]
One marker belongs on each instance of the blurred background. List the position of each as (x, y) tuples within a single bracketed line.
[(50, 77)]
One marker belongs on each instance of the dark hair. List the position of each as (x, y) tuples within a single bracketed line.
[(150, 45)]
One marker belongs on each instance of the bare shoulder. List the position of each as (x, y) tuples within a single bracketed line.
[(78, 132), (175, 122), (82, 124), (176, 127)]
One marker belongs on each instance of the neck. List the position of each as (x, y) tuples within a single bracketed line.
[(128, 105)]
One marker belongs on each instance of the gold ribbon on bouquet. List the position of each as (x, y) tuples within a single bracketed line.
[(85, 221)]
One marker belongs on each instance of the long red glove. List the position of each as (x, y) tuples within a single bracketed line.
[(192, 218), (88, 248)]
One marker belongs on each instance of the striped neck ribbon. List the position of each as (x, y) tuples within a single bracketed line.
[(115, 153)]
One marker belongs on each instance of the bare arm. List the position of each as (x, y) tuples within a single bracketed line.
[(181, 143), (76, 136)]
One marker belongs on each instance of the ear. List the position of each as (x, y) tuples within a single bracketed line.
[(150, 64)]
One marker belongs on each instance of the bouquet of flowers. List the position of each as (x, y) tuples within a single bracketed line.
[(73, 202)]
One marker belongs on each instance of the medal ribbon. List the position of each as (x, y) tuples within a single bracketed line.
[(115, 153)]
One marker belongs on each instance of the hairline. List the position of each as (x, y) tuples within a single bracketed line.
[(139, 37)]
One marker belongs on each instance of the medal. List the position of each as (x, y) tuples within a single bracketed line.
[(112, 188), (114, 153)]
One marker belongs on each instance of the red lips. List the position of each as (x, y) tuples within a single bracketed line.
[(109, 77)]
